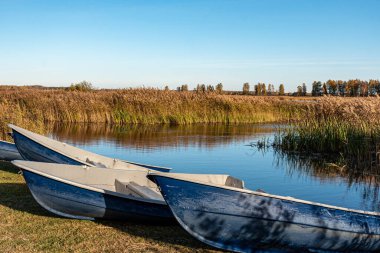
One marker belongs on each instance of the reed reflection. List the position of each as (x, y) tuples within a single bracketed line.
[(152, 136), (361, 177)]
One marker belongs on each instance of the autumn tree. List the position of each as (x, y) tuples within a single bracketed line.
[(341, 87), (331, 86), (263, 89), (281, 90), (364, 88), (219, 88), (270, 89), (324, 89), (245, 88), (299, 90), (184, 87), (201, 88)]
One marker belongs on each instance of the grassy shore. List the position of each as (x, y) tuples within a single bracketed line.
[(33, 107), (27, 227)]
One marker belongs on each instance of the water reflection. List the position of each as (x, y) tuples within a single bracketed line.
[(151, 136), (335, 169), (223, 149)]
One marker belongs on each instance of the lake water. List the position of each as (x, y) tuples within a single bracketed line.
[(225, 149)]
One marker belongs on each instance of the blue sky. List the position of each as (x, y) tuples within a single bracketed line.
[(156, 43)]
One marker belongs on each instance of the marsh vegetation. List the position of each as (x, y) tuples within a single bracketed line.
[(33, 107)]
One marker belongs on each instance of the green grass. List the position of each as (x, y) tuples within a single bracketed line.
[(27, 227), (345, 128)]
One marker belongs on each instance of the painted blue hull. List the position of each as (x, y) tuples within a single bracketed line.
[(8, 151), (241, 221), (34, 151), (75, 202)]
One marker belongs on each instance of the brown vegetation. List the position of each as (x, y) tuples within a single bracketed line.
[(33, 107)]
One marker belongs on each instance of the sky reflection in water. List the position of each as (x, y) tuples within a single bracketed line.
[(224, 150)]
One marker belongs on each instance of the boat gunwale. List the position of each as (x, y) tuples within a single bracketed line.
[(47, 146), (9, 143), (262, 194), (19, 164), (20, 131)]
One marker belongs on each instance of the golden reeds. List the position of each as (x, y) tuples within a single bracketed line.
[(33, 107)]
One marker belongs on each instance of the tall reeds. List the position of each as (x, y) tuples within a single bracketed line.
[(349, 127), (33, 107)]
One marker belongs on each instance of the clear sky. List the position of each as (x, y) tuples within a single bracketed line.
[(155, 43)]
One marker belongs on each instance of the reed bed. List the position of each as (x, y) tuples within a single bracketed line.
[(345, 127), (33, 107)]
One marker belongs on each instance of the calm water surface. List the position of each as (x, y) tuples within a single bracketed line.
[(225, 149)]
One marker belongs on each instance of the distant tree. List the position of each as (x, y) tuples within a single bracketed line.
[(219, 88), (331, 87), (82, 86), (270, 89), (304, 89), (364, 88), (354, 87), (299, 90), (316, 88), (340, 87), (245, 88), (324, 89), (166, 88), (263, 89), (210, 88), (348, 89), (281, 90), (179, 88), (203, 88), (184, 87), (374, 87), (377, 86)]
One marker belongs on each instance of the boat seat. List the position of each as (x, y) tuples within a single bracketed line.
[(96, 164), (134, 189), (234, 182), (121, 187)]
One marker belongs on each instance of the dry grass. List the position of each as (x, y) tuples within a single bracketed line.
[(27, 227), (32, 107)]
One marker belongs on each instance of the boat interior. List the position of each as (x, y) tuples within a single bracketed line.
[(213, 179), (128, 182)]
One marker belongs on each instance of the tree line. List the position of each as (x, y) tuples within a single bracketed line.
[(353, 87), (260, 89)]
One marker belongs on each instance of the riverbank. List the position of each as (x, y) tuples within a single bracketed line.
[(27, 227)]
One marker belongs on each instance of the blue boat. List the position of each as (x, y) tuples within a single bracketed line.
[(230, 217), (83, 192), (8, 151), (35, 147)]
